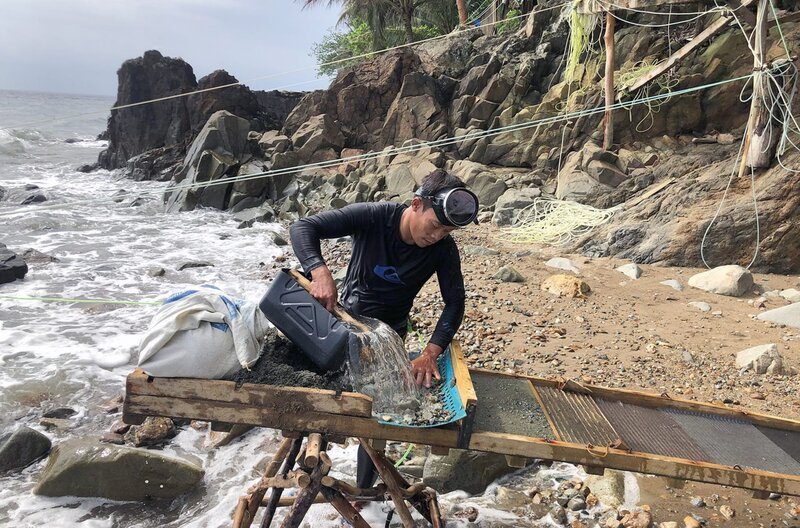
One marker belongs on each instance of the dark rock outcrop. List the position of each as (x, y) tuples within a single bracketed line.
[(150, 139), (234, 98), (22, 447), (12, 267), (276, 105), (135, 130)]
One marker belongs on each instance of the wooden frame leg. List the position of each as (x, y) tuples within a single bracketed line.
[(337, 500), (243, 519), (393, 484), (306, 496), (275, 495)]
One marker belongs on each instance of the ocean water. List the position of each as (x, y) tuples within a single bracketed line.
[(76, 355)]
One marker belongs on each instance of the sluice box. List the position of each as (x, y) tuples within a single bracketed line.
[(522, 417)]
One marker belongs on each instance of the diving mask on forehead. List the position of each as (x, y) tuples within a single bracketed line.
[(455, 207)]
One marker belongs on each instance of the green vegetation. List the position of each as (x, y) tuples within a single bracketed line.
[(372, 25)]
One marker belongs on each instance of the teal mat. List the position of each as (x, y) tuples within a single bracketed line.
[(448, 394)]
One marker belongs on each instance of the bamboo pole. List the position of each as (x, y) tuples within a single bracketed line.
[(312, 450), (462, 12), (305, 498), (609, 85), (763, 134), (392, 484), (257, 495), (275, 495), (346, 509)]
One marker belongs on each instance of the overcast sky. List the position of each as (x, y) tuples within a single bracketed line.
[(76, 46)]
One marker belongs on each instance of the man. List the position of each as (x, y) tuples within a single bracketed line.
[(396, 249)]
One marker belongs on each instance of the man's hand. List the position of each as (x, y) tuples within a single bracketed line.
[(424, 368), (323, 288)]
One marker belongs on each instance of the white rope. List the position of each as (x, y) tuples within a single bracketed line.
[(555, 222), (477, 134)]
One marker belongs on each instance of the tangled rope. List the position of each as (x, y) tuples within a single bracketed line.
[(555, 222)]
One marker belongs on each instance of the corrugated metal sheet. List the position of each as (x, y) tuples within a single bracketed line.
[(789, 441), (576, 417), (649, 430), (734, 442)]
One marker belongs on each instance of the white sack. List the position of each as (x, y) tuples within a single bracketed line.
[(202, 333)]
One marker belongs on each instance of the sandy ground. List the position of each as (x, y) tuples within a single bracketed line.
[(625, 333), (634, 334)]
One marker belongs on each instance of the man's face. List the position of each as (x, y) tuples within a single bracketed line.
[(426, 229)]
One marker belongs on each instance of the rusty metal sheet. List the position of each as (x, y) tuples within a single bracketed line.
[(576, 417), (789, 441), (734, 442), (507, 405), (649, 430)]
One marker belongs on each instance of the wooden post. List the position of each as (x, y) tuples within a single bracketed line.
[(392, 484), (609, 88), (275, 495), (312, 449), (305, 498), (763, 134), (462, 12), (258, 493)]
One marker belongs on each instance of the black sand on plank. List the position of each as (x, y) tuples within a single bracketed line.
[(507, 405), (282, 363)]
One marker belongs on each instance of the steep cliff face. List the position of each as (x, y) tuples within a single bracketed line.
[(164, 129), (134, 130), (503, 118)]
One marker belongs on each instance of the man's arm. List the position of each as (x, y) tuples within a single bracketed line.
[(306, 234), (451, 285)]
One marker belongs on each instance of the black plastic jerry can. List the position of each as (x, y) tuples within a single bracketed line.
[(317, 332)]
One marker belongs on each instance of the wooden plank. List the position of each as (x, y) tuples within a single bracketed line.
[(742, 12), (466, 391), (687, 48), (277, 418), (637, 462), (488, 441), (649, 399), (296, 399), (651, 191)]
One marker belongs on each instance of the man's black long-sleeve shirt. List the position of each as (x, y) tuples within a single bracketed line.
[(385, 274)]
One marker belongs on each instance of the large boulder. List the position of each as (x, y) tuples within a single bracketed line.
[(86, 468), (358, 99), (730, 280), (135, 130), (21, 447), (470, 471), (220, 147), (12, 267), (318, 133), (576, 185), (510, 204), (762, 359), (417, 111), (785, 315), (481, 180)]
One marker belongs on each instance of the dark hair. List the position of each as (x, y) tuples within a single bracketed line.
[(436, 181)]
